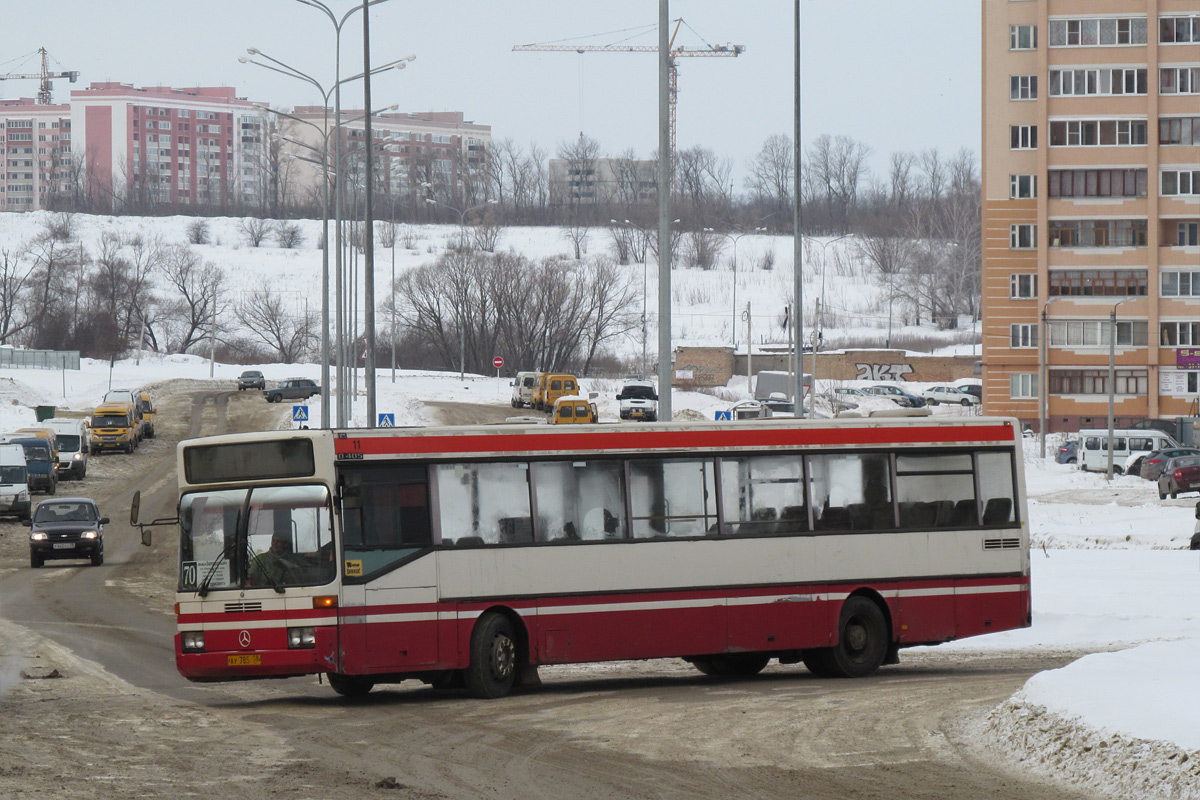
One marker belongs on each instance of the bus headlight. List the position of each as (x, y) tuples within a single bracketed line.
[(193, 641), (301, 638)]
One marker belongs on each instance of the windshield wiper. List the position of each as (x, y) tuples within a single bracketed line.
[(275, 584), (212, 571)]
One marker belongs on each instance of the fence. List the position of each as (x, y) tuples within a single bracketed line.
[(38, 359)]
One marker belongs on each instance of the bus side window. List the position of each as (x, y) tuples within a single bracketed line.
[(579, 500), (386, 509), (763, 495), (996, 488), (851, 491), (935, 490), (672, 497), (488, 501)]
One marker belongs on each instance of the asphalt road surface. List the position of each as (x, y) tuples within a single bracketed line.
[(92, 707)]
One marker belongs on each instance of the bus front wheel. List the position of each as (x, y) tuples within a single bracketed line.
[(348, 686), (493, 668), (862, 640)]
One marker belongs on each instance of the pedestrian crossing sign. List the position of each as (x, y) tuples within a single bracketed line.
[(299, 413), (387, 421)]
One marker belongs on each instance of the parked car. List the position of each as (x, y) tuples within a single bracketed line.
[(67, 527), (936, 395), (1067, 452), (293, 389), (1133, 464), (1181, 474), (973, 389), (896, 395), (1196, 535), (1153, 465), (522, 387), (639, 400), (251, 379)]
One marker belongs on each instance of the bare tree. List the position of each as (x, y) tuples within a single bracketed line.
[(188, 316), (288, 332), (15, 274), (288, 235), (255, 230), (771, 178)]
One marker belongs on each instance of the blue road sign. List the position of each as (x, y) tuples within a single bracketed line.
[(387, 421), (299, 413), (724, 415)]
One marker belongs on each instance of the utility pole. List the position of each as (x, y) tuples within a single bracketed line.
[(664, 212), (369, 224)]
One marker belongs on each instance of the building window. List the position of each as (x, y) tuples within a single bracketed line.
[(1021, 286), (1022, 87), (1098, 283), (1179, 30), (1187, 234), (1098, 233), (1083, 82), (1023, 384), (1179, 130), (1097, 133), (1022, 137), (1095, 381), (1096, 332), (1023, 335), (1176, 182), (1022, 37), (1022, 237), (1099, 183), (1179, 334), (1180, 284), (1179, 80), (1100, 32), (1022, 186)]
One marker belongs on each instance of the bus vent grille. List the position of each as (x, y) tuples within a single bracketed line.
[(238, 608), (1001, 544)]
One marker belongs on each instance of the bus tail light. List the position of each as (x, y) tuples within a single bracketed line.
[(302, 638), (193, 641), (325, 601)]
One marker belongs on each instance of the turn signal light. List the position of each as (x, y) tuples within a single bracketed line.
[(325, 601)]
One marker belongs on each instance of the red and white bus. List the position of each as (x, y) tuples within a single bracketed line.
[(473, 555)]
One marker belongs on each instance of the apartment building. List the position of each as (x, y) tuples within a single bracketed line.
[(37, 153), (602, 181), (145, 148), (1091, 210), (438, 148)]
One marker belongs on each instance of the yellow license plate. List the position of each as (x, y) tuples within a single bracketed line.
[(245, 661)]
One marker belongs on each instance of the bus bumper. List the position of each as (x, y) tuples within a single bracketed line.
[(220, 661)]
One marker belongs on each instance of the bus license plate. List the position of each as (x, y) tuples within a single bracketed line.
[(64, 545), (245, 661)]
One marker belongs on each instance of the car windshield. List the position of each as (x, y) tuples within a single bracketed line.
[(64, 512), (110, 422), (270, 537), (37, 452), (68, 443), (1185, 461), (12, 475), (251, 374), (638, 392)]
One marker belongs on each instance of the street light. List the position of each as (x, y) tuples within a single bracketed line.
[(1112, 380), (1044, 375), (818, 324), (734, 239), (645, 289)]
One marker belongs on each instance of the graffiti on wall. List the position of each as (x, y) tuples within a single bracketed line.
[(883, 372)]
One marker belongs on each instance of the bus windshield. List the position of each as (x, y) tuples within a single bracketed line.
[(267, 537)]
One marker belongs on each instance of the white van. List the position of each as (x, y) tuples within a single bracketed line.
[(14, 481), (72, 447), (1093, 446), (522, 387)]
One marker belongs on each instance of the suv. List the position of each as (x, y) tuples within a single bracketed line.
[(293, 389), (638, 401), (68, 527), (896, 395), (251, 379)]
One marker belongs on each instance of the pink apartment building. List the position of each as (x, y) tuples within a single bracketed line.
[(37, 153)]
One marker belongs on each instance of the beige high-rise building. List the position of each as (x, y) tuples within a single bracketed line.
[(1091, 209)]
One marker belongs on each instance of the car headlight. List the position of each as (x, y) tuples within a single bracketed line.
[(23, 496), (301, 638), (77, 457), (193, 641), (38, 536), (89, 535)]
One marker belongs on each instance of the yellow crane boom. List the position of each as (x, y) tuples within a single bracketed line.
[(44, 88)]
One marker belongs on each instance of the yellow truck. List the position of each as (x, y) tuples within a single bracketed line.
[(114, 427), (550, 387)]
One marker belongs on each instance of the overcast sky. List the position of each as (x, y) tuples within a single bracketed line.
[(893, 75)]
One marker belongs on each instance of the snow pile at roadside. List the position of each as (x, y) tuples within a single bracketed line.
[(1089, 722)]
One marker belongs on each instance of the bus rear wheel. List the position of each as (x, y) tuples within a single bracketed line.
[(493, 668), (348, 686), (862, 640), (732, 665)]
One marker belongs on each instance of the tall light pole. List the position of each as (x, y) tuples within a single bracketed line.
[(1112, 381), (645, 290), (797, 245), (731, 237), (1043, 376), (665, 168), (821, 304)]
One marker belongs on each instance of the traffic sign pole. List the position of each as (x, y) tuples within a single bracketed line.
[(498, 362)]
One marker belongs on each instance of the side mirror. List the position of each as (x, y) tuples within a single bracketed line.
[(28, 523), (620, 397), (146, 536), (1197, 510), (654, 397), (104, 520), (135, 505)]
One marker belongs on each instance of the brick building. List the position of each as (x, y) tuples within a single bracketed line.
[(37, 153)]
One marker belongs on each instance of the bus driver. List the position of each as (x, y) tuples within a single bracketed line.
[(277, 565)]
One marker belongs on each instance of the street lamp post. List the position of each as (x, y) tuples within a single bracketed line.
[(1112, 382), (731, 237), (1044, 376), (818, 324), (645, 289)]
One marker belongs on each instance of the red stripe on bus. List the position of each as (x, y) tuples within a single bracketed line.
[(673, 440)]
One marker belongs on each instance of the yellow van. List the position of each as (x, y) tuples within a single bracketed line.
[(552, 386), (573, 410), (114, 427), (146, 407)]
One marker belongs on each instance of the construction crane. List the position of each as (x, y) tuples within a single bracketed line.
[(709, 51), (44, 88)]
